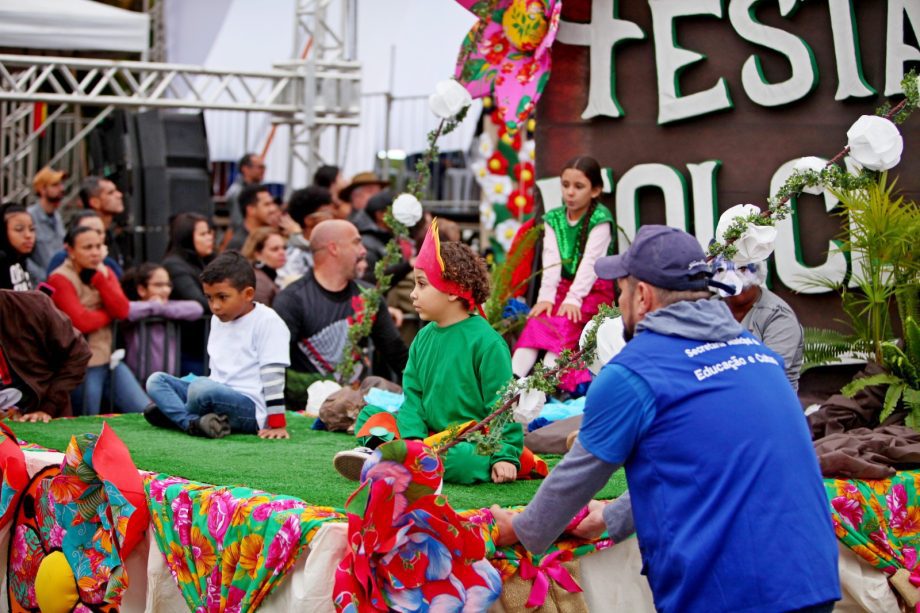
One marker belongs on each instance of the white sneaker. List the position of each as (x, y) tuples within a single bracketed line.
[(349, 463)]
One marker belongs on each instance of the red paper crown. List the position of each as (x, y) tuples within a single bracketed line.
[(429, 261)]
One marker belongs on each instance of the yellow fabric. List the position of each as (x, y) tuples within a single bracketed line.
[(55, 586), (438, 437)]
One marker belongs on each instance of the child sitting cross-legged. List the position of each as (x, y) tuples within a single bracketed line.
[(248, 352), (457, 367)]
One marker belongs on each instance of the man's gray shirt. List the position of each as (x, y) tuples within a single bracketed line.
[(49, 239)]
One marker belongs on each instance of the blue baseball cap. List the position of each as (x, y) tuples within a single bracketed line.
[(663, 256)]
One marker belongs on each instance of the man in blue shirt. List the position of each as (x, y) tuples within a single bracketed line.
[(725, 492)]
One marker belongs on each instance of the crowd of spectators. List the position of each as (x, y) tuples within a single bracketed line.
[(132, 318)]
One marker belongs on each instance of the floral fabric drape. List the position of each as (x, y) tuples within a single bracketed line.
[(228, 547)]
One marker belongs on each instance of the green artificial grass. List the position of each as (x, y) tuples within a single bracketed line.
[(300, 466)]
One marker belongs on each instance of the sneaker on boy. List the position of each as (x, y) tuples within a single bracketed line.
[(248, 349), (349, 463)]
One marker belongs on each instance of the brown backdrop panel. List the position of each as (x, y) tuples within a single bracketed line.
[(751, 141)]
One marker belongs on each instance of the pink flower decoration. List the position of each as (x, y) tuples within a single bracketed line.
[(212, 603), (56, 537), (516, 40), (285, 544), (849, 510), (158, 486), (264, 511), (220, 513), (182, 511)]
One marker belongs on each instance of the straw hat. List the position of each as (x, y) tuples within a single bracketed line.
[(362, 178)]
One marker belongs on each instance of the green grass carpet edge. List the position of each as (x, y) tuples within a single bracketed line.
[(300, 466)]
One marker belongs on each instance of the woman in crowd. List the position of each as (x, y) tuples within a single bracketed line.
[(16, 244), (87, 291), (90, 219), (265, 248), (191, 247), (149, 346)]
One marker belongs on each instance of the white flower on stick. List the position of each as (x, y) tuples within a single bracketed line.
[(756, 242), (450, 98), (810, 163), (609, 339), (875, 143), (529, 405), (407, 210)]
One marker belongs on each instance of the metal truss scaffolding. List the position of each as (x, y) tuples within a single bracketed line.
[(309, 94)]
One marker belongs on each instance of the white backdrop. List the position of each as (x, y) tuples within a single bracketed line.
[(71, 24), (253, 34)]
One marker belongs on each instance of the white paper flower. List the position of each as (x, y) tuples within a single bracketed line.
[(449, 99), (487, 215), (529, 150), (480, 171), (812, 163), (610, 341), (407, 210), (506, 231), (486, 146), (875, 142), (497, 188), (529, 406), (756, 244), (317, 394)]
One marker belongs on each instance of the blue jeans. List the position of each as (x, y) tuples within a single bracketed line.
[(182, 401), (118, 387)]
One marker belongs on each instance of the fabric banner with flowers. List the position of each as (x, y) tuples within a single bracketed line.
[(228, 547), (879, 520), (511, 60), (504, 170)]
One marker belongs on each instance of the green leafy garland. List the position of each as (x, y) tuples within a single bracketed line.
[(832, 176), (487, 434), (371, 297)]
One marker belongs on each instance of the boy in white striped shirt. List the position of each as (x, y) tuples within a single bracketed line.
[(248, 349)]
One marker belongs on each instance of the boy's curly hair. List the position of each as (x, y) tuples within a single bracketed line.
[(465, 268)]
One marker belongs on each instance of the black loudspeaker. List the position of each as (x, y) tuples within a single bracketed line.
[(168, 191), (172, 160)]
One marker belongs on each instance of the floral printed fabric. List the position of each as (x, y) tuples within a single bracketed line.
[(508, 559), (35, 533), (512, 58), (99, 505), (13, 469), (228, 547), (879, 520), (408, 549)]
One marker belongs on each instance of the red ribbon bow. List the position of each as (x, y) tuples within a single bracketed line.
[(550, 567)]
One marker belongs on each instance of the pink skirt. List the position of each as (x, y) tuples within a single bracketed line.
[(553, 333)]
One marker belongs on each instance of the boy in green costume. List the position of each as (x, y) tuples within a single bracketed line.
[(457, 367)]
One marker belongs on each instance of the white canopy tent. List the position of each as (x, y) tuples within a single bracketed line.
[(248, 35), (72, 25)]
